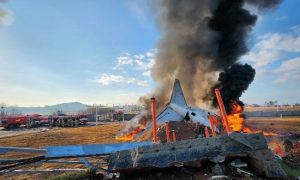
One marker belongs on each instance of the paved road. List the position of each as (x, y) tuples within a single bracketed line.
[(23, 130), (18, 131)]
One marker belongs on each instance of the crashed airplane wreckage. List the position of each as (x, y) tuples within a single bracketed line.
[(134, 157)]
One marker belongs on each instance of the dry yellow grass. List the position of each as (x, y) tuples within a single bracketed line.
[(281, 125), (63, 136)]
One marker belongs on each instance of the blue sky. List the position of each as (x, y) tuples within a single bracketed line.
[(54, 51)]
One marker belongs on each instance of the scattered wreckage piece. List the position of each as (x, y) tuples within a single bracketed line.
[(187, 152), (89, 149), (50, 153), (240, 167), (32, 171), (4, 150)]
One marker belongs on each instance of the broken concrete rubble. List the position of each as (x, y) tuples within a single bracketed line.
[(217, 170), (252, 147)]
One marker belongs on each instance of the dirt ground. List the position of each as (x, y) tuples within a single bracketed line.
[(285, 125), (22, 130), (104, 133)]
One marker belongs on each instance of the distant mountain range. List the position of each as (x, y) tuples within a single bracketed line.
[(71, 107)]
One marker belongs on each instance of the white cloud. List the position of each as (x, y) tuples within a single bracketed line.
[(140, 62), (108, 79), (281, 42), (262, 58), (281, 18), (146, 73), (296, 28), (150, 54), (272, 47), (288, 71), (140, 10), (139, 56), (123, 60)]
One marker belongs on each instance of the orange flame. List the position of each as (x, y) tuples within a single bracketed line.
[(236, 121), (270, 133), (277, 147), (130, 135)]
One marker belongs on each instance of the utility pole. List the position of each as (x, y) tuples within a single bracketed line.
[(96, 115), (2, 111), (123, 115)]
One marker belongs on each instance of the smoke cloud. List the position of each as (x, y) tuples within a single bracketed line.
[(199, 40), (186, 49)]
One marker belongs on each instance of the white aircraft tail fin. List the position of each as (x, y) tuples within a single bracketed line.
[(177, 94)]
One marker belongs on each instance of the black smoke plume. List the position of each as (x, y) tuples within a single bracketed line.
[(201, 38), (233, 24), (232, 82)]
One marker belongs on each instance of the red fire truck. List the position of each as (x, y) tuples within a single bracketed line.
[(59, 120), (35, 120), (11, 121), (63, 120)]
